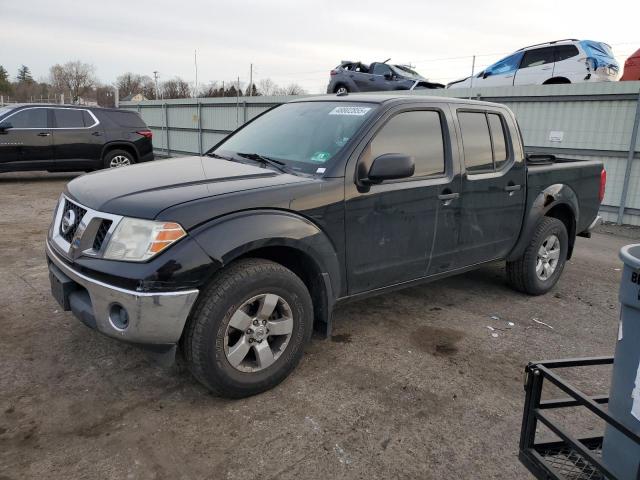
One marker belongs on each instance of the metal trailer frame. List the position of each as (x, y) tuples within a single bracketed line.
[(569, 458)]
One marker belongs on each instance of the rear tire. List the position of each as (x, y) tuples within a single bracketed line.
[(218, 348), (341, 90), (540, 266), (118, 158)]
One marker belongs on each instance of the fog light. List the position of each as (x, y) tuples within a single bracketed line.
[(118, 317)]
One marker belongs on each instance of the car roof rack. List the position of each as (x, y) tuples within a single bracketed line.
[(549, 43)]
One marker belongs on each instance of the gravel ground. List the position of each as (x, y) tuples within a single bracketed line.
[(411, 385)]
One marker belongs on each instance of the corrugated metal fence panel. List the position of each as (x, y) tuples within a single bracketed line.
[(594, 118)]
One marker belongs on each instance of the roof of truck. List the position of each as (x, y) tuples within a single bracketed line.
[(386, 98)]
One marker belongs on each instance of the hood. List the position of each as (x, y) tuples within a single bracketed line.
[(145, 190)]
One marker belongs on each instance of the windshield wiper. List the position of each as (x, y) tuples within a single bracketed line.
[(217, 155), (266, 161)]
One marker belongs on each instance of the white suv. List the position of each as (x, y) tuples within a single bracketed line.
[(561, 61)]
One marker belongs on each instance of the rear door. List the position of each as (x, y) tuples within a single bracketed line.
[(390, 228), (493, 185), (567, 65), (536, 66), (77, 138), (27, 145)]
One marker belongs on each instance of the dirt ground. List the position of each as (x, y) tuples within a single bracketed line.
[(411, 385)]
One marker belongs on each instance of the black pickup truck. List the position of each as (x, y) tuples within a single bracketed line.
[(236, 256)]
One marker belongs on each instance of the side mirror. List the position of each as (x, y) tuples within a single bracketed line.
[(486, 74), (388, 76), (4, 126), (390, 166)]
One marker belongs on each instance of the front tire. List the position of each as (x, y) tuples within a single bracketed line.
[(249, 328), (540, 266), (117, 159)]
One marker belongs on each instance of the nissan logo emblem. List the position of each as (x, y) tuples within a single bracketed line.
[(68, 221)]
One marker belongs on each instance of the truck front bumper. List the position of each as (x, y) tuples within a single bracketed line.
[(148, 318)]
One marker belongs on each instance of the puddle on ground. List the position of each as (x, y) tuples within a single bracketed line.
[(437, 341)]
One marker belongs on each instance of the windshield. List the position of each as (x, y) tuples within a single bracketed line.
[(406, 72), (304, 136), (504, 66)]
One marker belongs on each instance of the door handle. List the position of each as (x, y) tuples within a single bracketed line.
[(96, 134), (447, 198), (512, 188), (545, 68), (44, 134)]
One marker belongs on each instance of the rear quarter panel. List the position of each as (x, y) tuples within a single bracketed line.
[(582, 178)]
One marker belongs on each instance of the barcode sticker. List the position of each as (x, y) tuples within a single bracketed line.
[(357, 111)]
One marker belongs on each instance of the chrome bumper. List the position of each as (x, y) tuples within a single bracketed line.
[(153, 317)]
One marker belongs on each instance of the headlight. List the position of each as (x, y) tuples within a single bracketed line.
[(138, 240)]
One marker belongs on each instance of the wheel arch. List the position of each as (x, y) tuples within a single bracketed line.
[(118, 145), (557, 201), (283, 237), (556, 81)]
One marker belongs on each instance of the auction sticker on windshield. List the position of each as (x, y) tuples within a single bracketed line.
[(357, 111)]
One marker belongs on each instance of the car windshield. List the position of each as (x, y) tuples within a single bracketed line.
[(406, 72), (506, 65), (303, 136)]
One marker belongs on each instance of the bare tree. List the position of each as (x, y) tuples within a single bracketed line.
[(76, 78), (267, 87), (132, 83), (293, 89), (176, 88)]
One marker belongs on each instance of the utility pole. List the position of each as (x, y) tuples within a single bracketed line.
[(155, 79), (251, 79), (473, 68), (195, 60)]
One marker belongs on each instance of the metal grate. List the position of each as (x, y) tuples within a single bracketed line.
[(79, 212), (571, 464), (101, 234)]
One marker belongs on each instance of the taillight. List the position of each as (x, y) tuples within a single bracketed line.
[(603, 183), (333, 72), (145, 133)]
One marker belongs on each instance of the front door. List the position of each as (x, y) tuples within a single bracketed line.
[(27, 144), (77, 138), (493, 186), (391, 227), (536, 67)]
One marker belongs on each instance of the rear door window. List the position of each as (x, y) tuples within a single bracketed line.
[(537, 57), (476, 141), (417, 134), (564, 52), (484, 141), (68, 118), (499, 140), (29, 118)]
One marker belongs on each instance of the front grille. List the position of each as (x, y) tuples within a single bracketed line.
[(79, 212), (104, 227)]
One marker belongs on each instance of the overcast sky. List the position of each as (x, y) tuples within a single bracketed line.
[(295, 40)]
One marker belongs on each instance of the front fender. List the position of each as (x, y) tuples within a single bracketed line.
[(550, 197), (227, 238)]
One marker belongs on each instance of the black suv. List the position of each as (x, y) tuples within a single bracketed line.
[(71, 138)]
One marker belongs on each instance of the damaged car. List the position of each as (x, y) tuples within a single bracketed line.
[(550, 63), (377, 77)]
